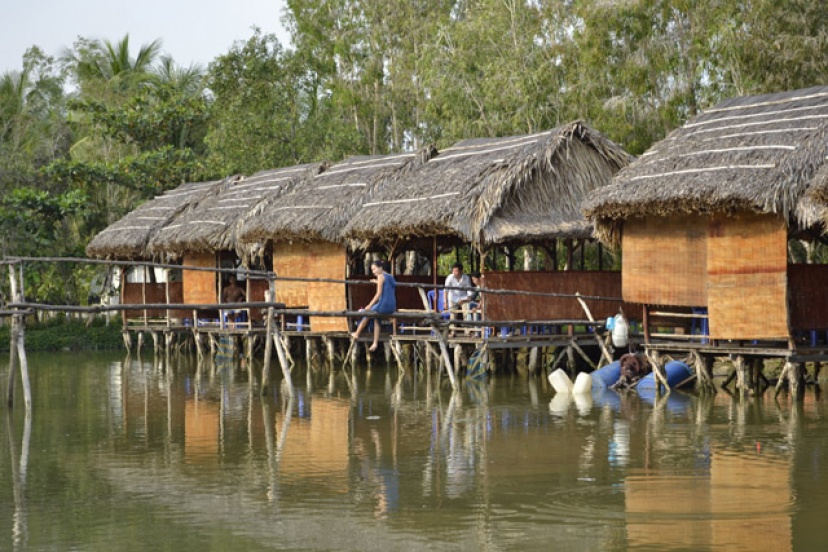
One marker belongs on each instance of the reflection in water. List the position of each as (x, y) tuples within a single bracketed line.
[(392, 459), (20, 526)]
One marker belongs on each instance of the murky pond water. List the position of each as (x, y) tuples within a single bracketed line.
[(136, 455)]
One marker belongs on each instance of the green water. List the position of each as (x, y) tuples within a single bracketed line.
[(129, 454)]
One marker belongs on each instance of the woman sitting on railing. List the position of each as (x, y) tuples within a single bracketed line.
[(383, 302)]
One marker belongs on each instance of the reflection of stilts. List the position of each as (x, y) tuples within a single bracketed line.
[(20, 527)]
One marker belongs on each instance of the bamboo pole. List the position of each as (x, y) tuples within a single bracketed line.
[(20, 344), (280, 352), (601, 345)]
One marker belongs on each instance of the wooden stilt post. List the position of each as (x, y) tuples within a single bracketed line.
[(739, 368), (605, 354), (156, 346), (441, 339), (280, 352), (12, 362), (329, 349), (533, 360), (583, 355), (140, 342), (19, 342), (704, 383), (783, 376), (127, 340), (795, 381), (168, 341), (658, 374)]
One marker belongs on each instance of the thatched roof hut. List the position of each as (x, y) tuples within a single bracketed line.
[(213, 224), (496, 190), (754, 154), (320, 207), (127, 238)]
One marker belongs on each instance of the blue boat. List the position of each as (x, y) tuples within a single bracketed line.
[(607, 375), (677, 373)]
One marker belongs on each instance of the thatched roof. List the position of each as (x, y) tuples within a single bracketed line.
[(127, 238), (496, 189), (214, 223), (319, 208), (757, 154)]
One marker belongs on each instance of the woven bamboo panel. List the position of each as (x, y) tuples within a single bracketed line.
[(516, 307), (747, 277), (200, 286), (133, 294), (665, 261), (809, 301), (291, 260), (314, 260)]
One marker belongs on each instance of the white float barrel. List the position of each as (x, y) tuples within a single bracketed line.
[(560, 381), (620, 332), (583, 384)]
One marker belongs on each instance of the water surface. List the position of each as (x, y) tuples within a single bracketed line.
[(139, 454)]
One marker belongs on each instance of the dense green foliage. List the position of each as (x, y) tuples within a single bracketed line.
[(67, 335), (87, 137)]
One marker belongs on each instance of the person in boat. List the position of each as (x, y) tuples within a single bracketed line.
[(383, 302)]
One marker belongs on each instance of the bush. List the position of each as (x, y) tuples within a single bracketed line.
[(60, 334)]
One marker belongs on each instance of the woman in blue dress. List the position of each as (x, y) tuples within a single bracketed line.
[(384, 301)]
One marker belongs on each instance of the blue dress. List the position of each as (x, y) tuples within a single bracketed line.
[(387, 303)]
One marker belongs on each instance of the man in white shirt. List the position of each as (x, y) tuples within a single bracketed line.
[(456, 299)]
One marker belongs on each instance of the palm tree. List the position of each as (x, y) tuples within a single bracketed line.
[(103, 61), (189, 81)]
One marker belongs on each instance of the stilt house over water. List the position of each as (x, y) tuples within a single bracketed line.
[(493, 196), (206, 234), (302, 231), (713, 222), (127, 240)]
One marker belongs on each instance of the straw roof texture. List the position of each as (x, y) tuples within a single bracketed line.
[(757, 154), (127, 238), (319, 208), (496, 189), (214, 223)]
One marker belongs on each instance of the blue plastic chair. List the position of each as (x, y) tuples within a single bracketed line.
[(701, 324), (440, 304)]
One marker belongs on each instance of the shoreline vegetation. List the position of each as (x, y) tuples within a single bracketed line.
[(62, 334)]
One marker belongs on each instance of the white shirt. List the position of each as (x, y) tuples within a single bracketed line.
[(453, 296)]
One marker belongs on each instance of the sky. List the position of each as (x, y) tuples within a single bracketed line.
[(191, 31)]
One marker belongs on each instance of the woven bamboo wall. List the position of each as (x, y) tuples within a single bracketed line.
[(665, 261), (515, 307), (200, 286), (747, 277), (291, 260), (327, 260), (314, 260), (155, 293)]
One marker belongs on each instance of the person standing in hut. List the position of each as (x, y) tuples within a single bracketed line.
[(383, 302), (233, 293), (456, 300)]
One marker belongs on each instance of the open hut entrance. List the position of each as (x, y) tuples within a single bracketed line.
[(564, 266), (807, 277), (560, 266)]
